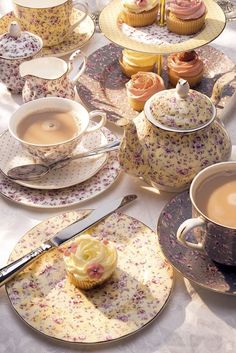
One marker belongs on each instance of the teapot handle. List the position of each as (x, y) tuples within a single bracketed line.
[(220, 84), (72, 58)]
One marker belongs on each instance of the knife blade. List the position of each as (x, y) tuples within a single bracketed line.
[(73, 230)]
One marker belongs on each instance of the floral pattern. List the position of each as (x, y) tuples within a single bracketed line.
[(13, 52), (69, 196), (105, 88), (194, 265), (79, 37), (46, 300)]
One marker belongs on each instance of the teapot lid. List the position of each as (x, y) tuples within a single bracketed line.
[(16, 44), (180, 109)]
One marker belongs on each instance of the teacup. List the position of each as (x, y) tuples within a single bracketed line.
[(213, 198), (49, 19), (50, 128)]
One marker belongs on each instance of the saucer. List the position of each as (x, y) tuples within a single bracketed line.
[(79, 37), (102, 85), (136, 293), (155, 38), (193, 265), (74, 172), (65, 197)]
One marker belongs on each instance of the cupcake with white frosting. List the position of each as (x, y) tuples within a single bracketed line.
[(139, 13), (90, 262)]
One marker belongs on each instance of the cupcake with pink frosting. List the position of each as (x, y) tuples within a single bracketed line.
[(185, 16), (141, 87), (186, 65)]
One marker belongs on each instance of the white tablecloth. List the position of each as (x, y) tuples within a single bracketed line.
[(195, 320)]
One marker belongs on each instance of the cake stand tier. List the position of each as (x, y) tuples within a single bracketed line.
[(155, 38)]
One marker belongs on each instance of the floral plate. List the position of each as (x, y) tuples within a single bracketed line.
[(136, 293), (102, 86), (74, 172), (157, 39), (80, 36), (73, 195), (193, 265)]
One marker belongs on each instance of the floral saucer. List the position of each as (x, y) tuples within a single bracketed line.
[(139, 289), (65, 197), (74, 172), (102, 85), (193, 265), (80, 36)]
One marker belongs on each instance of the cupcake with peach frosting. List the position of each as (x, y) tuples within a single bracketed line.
[(138, 13), (185, 16), (90, 262), (132, 62), (141, 87), (186, 65)]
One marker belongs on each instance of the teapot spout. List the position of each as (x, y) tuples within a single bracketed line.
[(220, 85), (132, 155)]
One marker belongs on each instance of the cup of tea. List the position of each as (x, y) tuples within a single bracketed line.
[(50, 128), (51, 20), (213, 198)]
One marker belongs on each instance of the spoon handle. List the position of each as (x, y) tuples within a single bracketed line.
[(102, 149)]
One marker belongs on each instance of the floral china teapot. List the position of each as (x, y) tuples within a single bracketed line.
[(175, 137), (49, 76)]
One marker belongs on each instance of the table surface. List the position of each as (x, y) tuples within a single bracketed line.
[(195, 320)]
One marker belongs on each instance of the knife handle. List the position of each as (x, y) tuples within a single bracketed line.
[(9, 271)]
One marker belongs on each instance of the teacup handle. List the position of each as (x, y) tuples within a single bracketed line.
[(83, 6), (102, 122), (185, 227), (71, 62)]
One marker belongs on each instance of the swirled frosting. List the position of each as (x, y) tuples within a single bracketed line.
[(143, 85), (187, 9), (186, 64), (134, 58), (138, 6), (90, 259)]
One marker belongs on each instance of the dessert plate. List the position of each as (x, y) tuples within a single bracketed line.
[(79, 37), (157, 39), (65, 197), (74, 172), (45, 299), (102, 86), (193, 265)]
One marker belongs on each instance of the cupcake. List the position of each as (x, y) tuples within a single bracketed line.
[(90, 262), (132, 62), (138, 13), (186, 65), (141, 87), (185, 16)]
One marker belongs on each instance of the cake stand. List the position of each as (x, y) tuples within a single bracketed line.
[(156, 39)]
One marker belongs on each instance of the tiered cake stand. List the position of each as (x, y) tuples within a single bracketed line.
[(103, 85)]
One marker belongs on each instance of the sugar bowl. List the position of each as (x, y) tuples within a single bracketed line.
[(16, 46)]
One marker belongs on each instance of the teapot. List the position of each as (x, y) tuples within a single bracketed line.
[(49, 76), (176, 136), (16, 47)]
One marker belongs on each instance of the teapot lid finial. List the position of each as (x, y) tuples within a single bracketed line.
[(14, 29), (182, 88)]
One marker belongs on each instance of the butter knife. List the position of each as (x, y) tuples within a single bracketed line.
[(76, 228)]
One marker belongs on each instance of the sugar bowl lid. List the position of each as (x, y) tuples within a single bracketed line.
[(16, 44), (180, 109)]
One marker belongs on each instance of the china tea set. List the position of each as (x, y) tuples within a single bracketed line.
[(176, 136)]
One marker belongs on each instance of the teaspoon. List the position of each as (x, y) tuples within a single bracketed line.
[(28, 172)]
